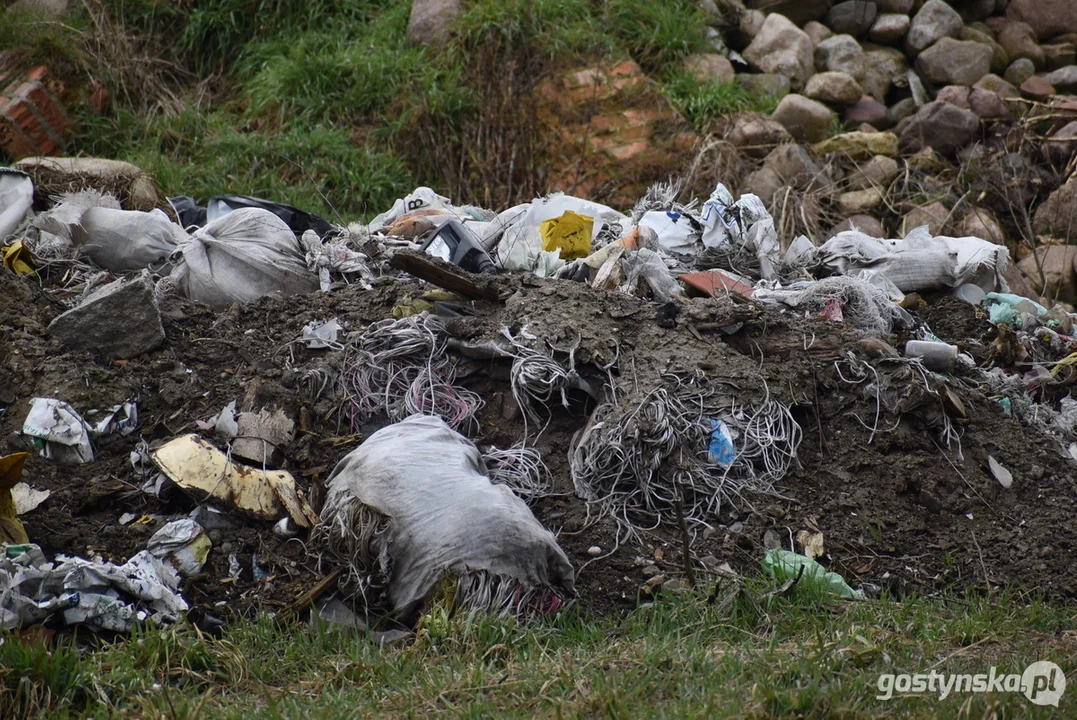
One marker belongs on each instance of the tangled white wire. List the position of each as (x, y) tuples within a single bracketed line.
[(521, 469), (639, 461), (400, 367)]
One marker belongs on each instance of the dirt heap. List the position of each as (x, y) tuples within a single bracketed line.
[(896, 507)]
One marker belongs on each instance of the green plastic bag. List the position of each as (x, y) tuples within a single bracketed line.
[(785, 565)]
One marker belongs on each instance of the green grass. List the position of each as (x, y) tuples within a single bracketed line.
[(703, 103), (320, 104), (750, 653)]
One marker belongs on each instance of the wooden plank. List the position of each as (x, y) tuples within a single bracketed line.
[(447, 276)]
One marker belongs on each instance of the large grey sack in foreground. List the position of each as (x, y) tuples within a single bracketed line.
[(444, 513)]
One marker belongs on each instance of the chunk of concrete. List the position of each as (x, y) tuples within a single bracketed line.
[(120, 320)]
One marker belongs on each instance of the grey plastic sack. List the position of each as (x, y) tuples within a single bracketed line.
[(127, 240), (240, 257), (444, 517)]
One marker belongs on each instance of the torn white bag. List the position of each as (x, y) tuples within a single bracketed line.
[(437, 516), (16, 199), (242, 256)]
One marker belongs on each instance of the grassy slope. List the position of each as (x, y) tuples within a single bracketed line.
[(316, 104), (748, 654)]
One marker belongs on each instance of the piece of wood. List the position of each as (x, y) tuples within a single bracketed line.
[(446, 275), (304, 601)]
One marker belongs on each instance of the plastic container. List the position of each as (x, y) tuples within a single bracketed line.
[(456, 244), (937, 356)]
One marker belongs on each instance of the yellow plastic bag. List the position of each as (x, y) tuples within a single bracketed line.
[(17, 258), (570, 233), (11, 530)]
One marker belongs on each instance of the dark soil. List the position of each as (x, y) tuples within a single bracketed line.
[(896, 509)]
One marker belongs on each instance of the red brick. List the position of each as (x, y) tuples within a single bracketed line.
[(609, 121), (49, 110), (627, 152), (646, 115), (38, 73), (627, 82)]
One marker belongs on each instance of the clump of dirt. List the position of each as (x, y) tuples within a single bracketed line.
[(904, 498)]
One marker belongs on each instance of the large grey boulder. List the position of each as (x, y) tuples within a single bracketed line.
[(1047, 17), (1064, 79), (119, 320), (934, 21), (783, 48), (852, 17), (804, 118), (938, 125), (889, 28), (431, 20), (798, 11), (955, 62), (836, 88)]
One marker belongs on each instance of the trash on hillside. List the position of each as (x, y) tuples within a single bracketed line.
[(17, 258), (784, 565), (58, 432), (570, 234), (16, 199), (1004, 476), (11, 529), (454, 243), (223, 423), (26, 498), (242, 256), (937, 356), (717, 283), (210, 518), (421, 198), (522, 247), (647, 266), (678, 233), (1014, 310), (181, 546), (57, 176), (120, 420), (318, 335), (721, 448), (90, 224), (204, 472), (327, 258), (127, 240), (415, 497), (261, 435), (101, 595), (741, 226), (299, 221), (919, 262), (863, 305)]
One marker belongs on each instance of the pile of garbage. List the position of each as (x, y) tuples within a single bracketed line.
[(243, 406)]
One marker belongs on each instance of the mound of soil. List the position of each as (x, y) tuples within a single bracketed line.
[(896, 506)]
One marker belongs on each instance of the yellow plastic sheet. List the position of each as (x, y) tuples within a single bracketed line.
[(11, 530), (570, 233), (17, 258)]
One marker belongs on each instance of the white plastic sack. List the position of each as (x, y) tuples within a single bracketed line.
[(421, 198), (445, 516), (919, 262), (521, 249), (743, 223), (58, 432), (127, 240), (676, 233), (16, 199), (242, 256), (649, 265)]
